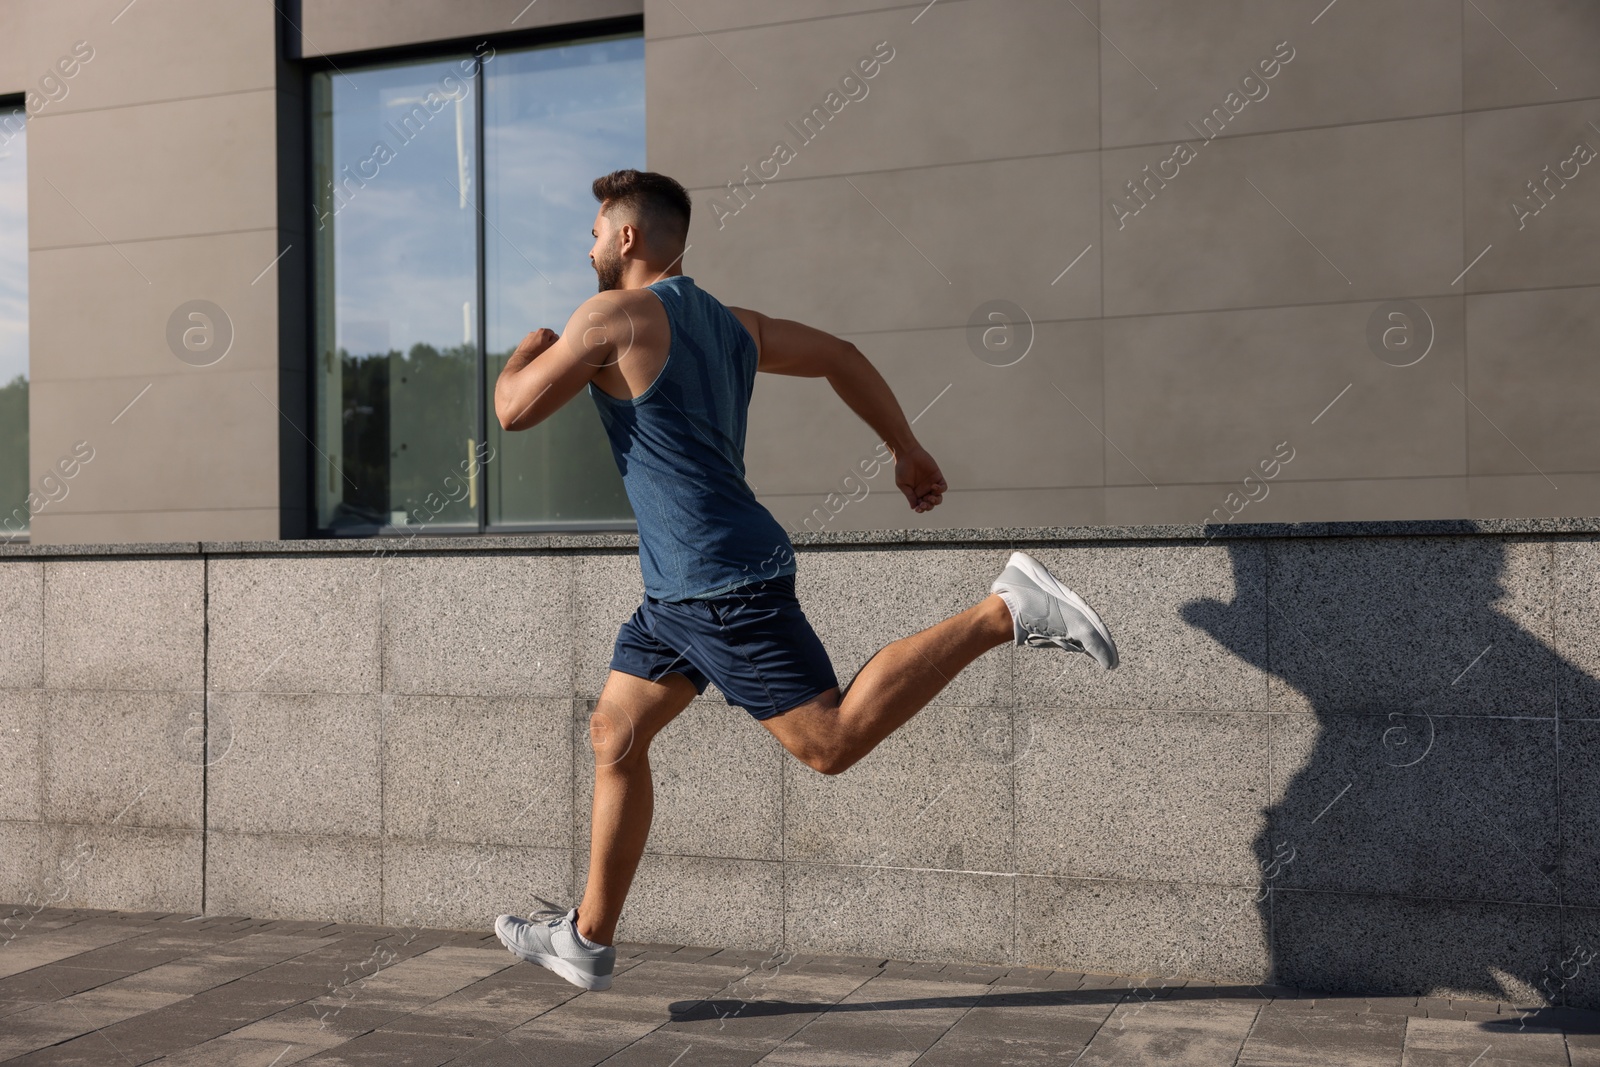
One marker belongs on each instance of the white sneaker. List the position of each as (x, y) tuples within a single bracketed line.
[(1046, 613), (555, 945)]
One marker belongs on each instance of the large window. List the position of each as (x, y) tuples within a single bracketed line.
[(452, 216), (13, 321)]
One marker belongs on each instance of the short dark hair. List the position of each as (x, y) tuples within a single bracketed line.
[(655, 199)]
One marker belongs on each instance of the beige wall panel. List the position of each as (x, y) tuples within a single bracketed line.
[(189, 443), (187, 167), (122, 527), (332, 27), (1175, 60), (677, 18), (144, 52), (907, 249), (92, 315), (966, 82)]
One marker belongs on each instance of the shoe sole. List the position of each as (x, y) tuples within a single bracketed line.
[(591, 982), (1046, 581)]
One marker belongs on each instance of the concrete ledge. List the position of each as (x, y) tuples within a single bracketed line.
[(1031, 535)]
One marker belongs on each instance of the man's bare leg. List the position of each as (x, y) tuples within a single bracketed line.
[(629, 713), (832, 732)]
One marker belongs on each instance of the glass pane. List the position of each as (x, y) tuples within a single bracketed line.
[(396, 303), (13, 321), (556, 119)]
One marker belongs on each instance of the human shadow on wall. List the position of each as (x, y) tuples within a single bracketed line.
[(1411, 842)]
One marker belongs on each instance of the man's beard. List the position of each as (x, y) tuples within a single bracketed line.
[(609, 269)]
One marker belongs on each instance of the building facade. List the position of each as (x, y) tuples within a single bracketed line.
[(1124, 262)]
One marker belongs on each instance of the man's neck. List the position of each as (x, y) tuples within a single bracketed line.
[(638, 274)]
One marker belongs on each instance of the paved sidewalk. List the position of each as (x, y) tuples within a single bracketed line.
[(108, 988)]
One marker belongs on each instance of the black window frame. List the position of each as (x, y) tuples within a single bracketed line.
[(19, 102)]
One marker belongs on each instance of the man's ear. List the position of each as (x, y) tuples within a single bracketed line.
[(630, 239)]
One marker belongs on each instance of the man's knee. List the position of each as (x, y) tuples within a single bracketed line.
[(824, 757), (615, 740)]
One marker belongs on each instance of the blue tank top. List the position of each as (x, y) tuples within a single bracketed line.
[(680, 448)]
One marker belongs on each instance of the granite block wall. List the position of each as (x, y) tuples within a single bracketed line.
[(1347, 757)]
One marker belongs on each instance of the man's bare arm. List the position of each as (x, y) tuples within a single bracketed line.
[(548, 369), (793, 348)]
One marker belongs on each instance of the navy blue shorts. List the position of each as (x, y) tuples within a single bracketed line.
[(754, 642)]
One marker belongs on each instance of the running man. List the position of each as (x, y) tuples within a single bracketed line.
[(671, 370)]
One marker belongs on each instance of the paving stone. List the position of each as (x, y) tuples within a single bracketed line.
[(166, 1030), (141, 953), (249, 993), (763, 1008), (1018, 1028), (1039, 978), (408, 984), (1196, 1032), (48, 947), (229, 1051), (305, 1024), (55, 981), (392, 1049), (494, 1002), (1284, 1040), (1352, 1005), (1430, 1042), (660, 1049)]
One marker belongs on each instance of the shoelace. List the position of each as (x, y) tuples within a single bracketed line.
[(1042, 640), (551, 911)]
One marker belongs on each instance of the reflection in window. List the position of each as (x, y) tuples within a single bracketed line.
[(13, 321), (407, 236), (556, 119), (396, 232)]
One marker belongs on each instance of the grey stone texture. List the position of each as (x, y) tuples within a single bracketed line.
[(859, 601), (1404, 945), (282, 876), (1419, 806), (464, 886), (1347, 757), (1145, 595), (1577, 628), (701, 900), (1140, 795), (718, 784), (937, 793), (1448, 626), (138, 868), (22, 725), (1164, 930), (124, 624), (607, 587), (291, 625), (478, 626), (22, 636), (295, 764), (489, 771), (20, 871), (898, 911), (119, 758), (1580, 812)]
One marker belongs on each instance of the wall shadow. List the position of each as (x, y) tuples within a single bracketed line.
[(719, 1009), (1412, 838)]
